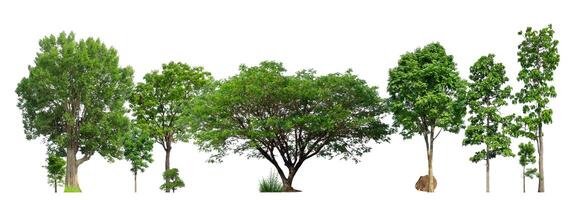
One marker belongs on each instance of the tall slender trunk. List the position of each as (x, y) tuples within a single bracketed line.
[(487, 173), (540, 151), (430, 169), (55, 186), (167, 161), (487, 155), (135, 181), (523, 175), (71, 181)]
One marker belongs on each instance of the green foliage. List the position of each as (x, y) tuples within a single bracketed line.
[(526, 154), (72, 189), (138, 150), (74, 96), (56, 170), (159, 104), (261, 111), (539, 57), (487, 94), (426, 92), (271, 183), (526, 157), (172, 180)]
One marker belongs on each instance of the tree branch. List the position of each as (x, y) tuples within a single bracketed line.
[(84, 159)]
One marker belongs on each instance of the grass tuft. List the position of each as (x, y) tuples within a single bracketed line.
[(72, 189), (271, 183)]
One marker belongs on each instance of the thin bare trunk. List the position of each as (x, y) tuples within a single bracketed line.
[(135, 181), (55, 186), (540, 151), (167, 161), (487, 173), (430, 170), (523, 175)]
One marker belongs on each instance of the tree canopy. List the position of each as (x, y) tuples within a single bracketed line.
[(539, 57), (74, 97), (263, 113), (56, 167), (487, 94), (427, 97)]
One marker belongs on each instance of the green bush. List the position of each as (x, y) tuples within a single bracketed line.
[(271, 184)]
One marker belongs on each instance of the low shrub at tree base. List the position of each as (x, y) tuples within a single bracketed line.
[(271, 184)]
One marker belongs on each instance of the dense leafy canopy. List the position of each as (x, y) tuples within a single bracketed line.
[(74, 96), (487, 94), (173, 181), (138, 150), (526, 157), (539, 57), (56, 170), (263, 113), (426, 92), (159, 104)]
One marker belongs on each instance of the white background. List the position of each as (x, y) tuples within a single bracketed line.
[(329, 36)]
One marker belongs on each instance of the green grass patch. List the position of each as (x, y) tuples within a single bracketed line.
[(72, 189), (271, 183)]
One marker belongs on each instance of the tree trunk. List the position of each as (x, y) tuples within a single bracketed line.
[(487, 172), (167, 161), (55, 186), (540, 151), (71, 170), (523, 175), (430, 169), (287, 181), (135, 182)]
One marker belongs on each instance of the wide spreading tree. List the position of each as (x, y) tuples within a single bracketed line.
[(427, 97), (539, 57), (138, 151), (487, 94), (263, 113), (160, 103), (74, 98)]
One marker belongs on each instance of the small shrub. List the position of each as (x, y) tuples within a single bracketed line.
[(173, 181), (271, 184)]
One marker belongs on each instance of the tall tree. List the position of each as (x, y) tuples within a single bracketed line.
[(487, 94), (56, 170), (539, 57), (159, 103), (526, 157), (263, 113), (138, 151), (427, 97), (74, 98)]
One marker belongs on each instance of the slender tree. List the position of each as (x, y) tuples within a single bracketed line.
[(56, 170), (427, 97), (172, 180), (74, 98), (539, 57), (264, 113), (526, 157), (487, 94), (138, 151), (159, 103)]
